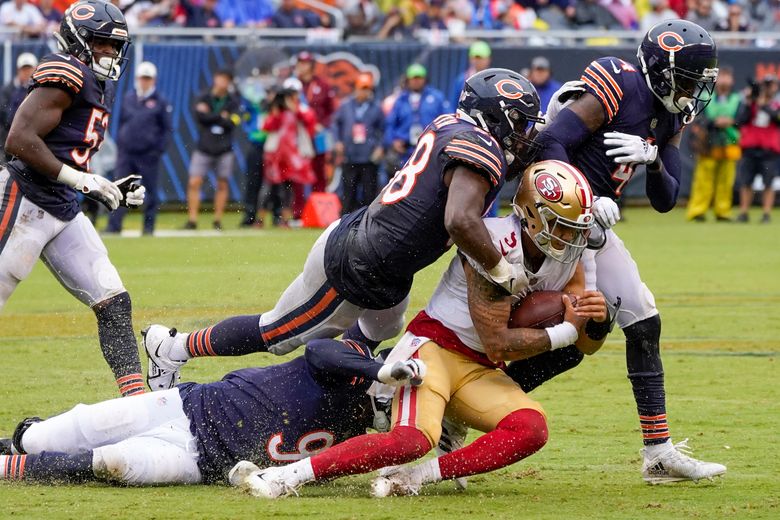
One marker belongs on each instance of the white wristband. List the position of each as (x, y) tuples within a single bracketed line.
[(501, 271), (562, 335), (70, 176)]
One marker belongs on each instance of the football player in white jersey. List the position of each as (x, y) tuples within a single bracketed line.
[(463, 338)]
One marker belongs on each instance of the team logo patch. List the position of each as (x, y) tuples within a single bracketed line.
[(670, 41), (83, 12), (549, 187), (510, 89)]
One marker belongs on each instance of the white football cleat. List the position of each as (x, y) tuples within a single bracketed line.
[(675, 464), (267, 483), (394, 481), (453, 437), (164, 373)]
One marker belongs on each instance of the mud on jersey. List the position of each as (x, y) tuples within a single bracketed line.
[(372, 256), (629, 107), (75, 139)]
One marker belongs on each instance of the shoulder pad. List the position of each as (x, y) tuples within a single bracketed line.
[(604, 79), (60, 71), (480, 150)]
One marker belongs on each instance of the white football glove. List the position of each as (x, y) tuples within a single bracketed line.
[(563, 97), (411, 371), (630, 149), (93, 186), (509, 276), (238, 475), (132, 191), (606, 212)]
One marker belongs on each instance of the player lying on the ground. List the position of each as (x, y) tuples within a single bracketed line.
[(196, 432), (465, 338), (55, 132), (627, 115), (358, 274)]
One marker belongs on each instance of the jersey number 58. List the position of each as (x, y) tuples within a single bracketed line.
[(402, 183)]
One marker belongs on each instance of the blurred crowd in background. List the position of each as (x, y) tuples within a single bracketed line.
[(403, 19)]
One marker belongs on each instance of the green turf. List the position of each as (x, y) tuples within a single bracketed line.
[(717, 286)]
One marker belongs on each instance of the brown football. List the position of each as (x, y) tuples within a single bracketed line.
[(539, 310)]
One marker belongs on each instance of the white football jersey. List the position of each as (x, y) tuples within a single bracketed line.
[(449, 303)]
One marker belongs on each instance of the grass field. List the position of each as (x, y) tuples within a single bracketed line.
[(718, 289)]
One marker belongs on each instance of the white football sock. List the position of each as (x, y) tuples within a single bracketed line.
[(298, 473), (426, 473), (653, 450)]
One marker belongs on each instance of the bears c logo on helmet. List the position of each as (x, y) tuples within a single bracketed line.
[(83, 12), (510, 89), (549, 187), (669, 35)]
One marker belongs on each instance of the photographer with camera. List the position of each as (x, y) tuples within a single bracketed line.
[(716, 144), (759, 123)]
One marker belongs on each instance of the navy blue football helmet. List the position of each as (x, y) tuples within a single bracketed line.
[(679, 61), (87, 20), (505, 104)]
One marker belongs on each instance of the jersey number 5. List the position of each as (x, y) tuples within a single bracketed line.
[(92, 137), (402, 183)]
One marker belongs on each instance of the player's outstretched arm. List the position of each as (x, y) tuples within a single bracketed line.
[(571, 127), (490, 308), (39, 114)]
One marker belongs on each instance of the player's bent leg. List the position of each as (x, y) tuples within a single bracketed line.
[(147, 461), (86, 427), (79, 260)]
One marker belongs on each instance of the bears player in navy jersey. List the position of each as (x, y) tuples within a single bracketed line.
[(358, 274), (55, 132), (196, 432), (631, 114)]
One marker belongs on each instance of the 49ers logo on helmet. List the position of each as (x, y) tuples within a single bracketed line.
[(510, 89), (665, 38), (83, 12), (549, 187)]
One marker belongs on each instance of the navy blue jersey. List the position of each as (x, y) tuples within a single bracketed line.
[(629, 107), (77, 137), (372, 255), (274, 415)]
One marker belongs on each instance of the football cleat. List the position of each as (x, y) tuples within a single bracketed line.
[(241, 472), (675, 464), (16, 440), (267, 483), (453, 437), (395, 481), (164, 373)]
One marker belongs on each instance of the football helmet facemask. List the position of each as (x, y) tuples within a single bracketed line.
[(88, 21), (505, 104), (679, 61), (554, 202)]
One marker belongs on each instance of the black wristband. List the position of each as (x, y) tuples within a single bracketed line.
[(597, 330)]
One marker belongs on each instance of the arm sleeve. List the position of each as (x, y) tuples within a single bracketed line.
[(57, 72), (663, 186), (604, 79), (341, 362), (480, 153), (563, 136)]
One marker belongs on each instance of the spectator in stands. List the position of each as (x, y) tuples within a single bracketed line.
[(432, 16), (704, 15), (759, 122), (623, 11), (479, 60), (149, 13), (762, 15), (553, 13), (288, 147), (23, 16), (358, 128), (245, 13), (217, 114), (660, 12), (144, 133), (321, 98), (393, 26), (589, 14), (363, 17), (13, 93), (416, 107), (716, 144), (256, 102), (204, 15), (288, 16), (540, 75), (736, 21), (51, 14)]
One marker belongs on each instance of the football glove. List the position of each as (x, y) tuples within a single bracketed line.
[(132, 191), (606, 212), (630, 149), (509, 276), (411, 371), (92, 186), (563, 97)]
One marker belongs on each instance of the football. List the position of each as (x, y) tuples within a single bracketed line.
[(539, 310)]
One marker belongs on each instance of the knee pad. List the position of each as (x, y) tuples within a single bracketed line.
[(643, 353)]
